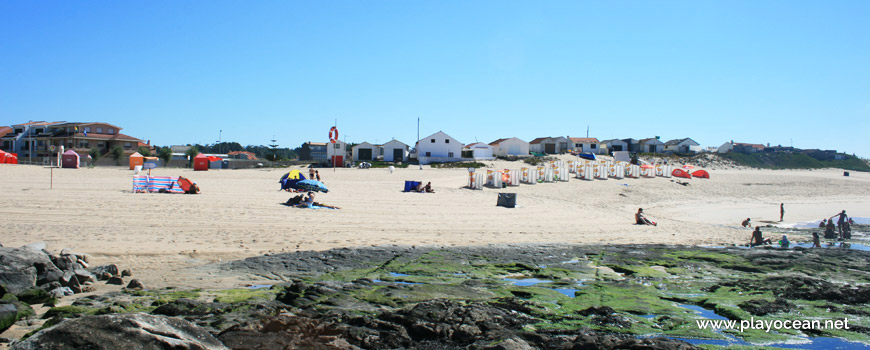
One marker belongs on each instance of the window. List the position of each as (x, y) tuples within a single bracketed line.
[(592, 146), (450, 154), (88, 129), (127, 145), (111, 131), (578, 145), (99, 130), (433, 140), (429, 154), (337, 146), (447, 141)]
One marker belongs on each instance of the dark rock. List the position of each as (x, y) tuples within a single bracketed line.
[(122, 331), (102, 276), (60, 292), (66, 262), (84, 275), (115, 280), (135, 284), (21, 268), (126, 273), (111, 269), (12, 311), (761, 307), (189, 307), (33, 296)]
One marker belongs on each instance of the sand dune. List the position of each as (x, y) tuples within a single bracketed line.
[(239, 212)]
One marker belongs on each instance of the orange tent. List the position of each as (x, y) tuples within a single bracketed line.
[(136, 159)]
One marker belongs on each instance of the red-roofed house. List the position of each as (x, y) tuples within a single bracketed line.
[(587, 145), (242, 155), (36, 139)]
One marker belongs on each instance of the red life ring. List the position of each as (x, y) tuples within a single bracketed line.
[(333, 134)]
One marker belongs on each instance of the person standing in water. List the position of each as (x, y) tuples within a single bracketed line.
[(781, 211)]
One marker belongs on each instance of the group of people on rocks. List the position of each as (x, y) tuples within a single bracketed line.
[(841, 231)]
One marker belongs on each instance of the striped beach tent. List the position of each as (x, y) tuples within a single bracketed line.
[(169, 184), (140, 183)]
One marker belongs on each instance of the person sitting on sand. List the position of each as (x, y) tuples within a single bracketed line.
[(193, 189), (816, 243), (757, 239), (642, 220), (823, 223), (829, 229), (420, 188), (294, 201), (428, 188), (784, 243), (746, 223)]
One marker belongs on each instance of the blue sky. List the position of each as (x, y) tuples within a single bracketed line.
[(177, 72)]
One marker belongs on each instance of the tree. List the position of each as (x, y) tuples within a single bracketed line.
[(191, 153), (165, 154), (95, 154), (117, 153), (273, 147), (144, 151)]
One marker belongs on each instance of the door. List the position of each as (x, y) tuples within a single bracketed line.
[(398, 155), (365, 154), (550, 148), (338, 161)]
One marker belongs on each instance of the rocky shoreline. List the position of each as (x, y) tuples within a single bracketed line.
[(548, 296)]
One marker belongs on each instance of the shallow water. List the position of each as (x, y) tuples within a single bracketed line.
[(802, 343), (526, 281)]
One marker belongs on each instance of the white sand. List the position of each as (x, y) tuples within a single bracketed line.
[(239, 213)]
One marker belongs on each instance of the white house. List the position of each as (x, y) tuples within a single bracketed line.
[(365, 152), (438, 147), (512, 147), (550, 145), (685, 145), (478, 151), (395, 151), (586, 145), (651, 145), (615, 145), (336, 153)]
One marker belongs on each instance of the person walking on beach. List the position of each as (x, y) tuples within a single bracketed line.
[(816, 242), (317, 175), (781, 211), (757, 239)]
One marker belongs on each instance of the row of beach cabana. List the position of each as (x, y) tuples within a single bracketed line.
[(590, 170)]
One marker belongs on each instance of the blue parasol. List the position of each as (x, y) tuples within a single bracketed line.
[(312, 185)]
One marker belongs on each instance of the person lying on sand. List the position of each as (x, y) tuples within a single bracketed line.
[(757, 239), (310, 203), (642, 220)]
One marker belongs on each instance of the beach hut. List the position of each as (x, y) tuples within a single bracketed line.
[(510, 147), (438, 147), (478, 151), (364, 152), (70, 159), (200, 162), (215, 162), (136, 159), (395, 151), (3, 156)]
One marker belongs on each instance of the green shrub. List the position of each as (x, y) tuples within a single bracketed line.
[(457, 165)]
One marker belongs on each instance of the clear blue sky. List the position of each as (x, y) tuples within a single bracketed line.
[(176, 72)]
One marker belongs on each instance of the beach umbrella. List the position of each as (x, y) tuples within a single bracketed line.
[(312, 185)]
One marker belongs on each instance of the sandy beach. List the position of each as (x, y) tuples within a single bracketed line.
[(239, 214)]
